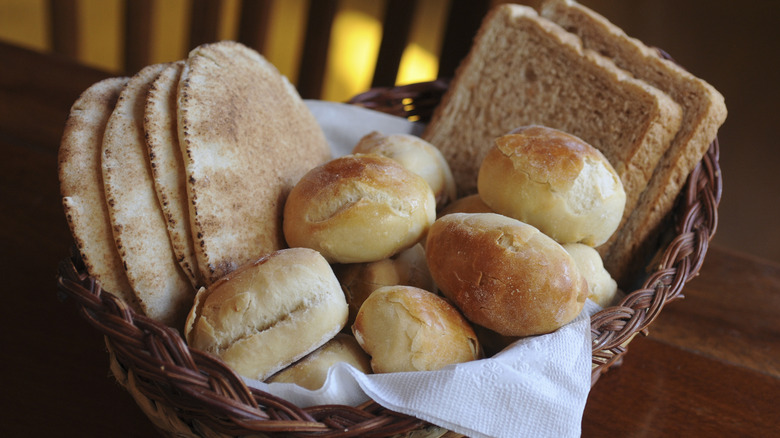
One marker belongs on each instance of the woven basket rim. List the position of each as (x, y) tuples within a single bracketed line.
[(200, 389)]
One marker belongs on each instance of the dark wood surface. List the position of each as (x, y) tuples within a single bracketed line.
[(709, 367)]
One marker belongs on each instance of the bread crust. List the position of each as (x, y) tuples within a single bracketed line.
[(503, 274), (524, 69), (81, 186), (167, 165), (404, 328), (246, 138), (359, 208), (554, 181), (704, 111), (139, 226), (267, 314)]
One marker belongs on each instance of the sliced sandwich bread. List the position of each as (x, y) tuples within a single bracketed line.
[(523, 69), (704, 111)]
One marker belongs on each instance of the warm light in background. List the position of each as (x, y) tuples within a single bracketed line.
[(354, 45), (355, 37)]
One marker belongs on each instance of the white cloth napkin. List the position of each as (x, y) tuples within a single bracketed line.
[(537, 387)]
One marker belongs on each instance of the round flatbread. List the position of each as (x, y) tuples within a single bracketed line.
[(139, 228), (247, 138), (81, 186), (162, 140)]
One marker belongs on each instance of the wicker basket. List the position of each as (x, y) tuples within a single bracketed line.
[(186, 392)]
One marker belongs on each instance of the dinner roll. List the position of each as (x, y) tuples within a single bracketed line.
[(601, 286), (554, 181), (358, 280), (358, 208), (312, 371), (415, 154), (266, 315), (404, 328), (467, 204), (504, 274)]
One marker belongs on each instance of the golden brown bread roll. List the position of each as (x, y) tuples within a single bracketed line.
[(415, 154), (266, 315), (358, 208), (407, 268), (312, 371), (601, 286), (504, 274), (467, 204), (404, 328), (554, 181)]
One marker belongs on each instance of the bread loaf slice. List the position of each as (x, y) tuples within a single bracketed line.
[(704, 111), (523, 69)]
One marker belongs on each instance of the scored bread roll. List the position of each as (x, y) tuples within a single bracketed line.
[(415, 154), (404, 328), (358, 208), (359, 280), (267, 314), (311, 372), (504, 274), (554, 181), (601, 286)]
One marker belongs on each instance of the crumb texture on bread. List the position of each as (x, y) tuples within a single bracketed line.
[(524, 70), (704, 111)]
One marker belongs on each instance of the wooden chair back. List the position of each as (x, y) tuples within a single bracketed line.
[(463, 20)]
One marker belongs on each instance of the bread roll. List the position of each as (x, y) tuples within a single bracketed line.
[(468, 204), (407, 268), (312, 371), (555, 182), (404, 328), (358, 208), (267, 314), (601, 286), (504, 274), (417, 155)]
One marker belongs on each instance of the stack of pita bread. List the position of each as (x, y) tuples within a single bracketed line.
[(178, 175)]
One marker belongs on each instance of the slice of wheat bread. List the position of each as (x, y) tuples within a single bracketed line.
[(247, 137), (167, 165), (81, 186), (163, 290), (704, 111), (523, 69)]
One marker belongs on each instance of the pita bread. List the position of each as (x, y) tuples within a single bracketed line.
[(247, 138), (140, 233), (81, 186), (162, 140)]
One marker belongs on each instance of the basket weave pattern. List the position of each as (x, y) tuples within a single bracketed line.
[(186, 392)]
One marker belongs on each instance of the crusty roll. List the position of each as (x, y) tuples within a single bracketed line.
[(359, 280), (415, 154), (601, 286), (266, 315), (554, 181), (504, 274), (404, 328), (467, 204), (358, 208), (312, 371)]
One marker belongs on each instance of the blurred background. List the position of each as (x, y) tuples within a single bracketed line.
[(733, 45)]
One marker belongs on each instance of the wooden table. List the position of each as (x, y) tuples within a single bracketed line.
[(710, 367)]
